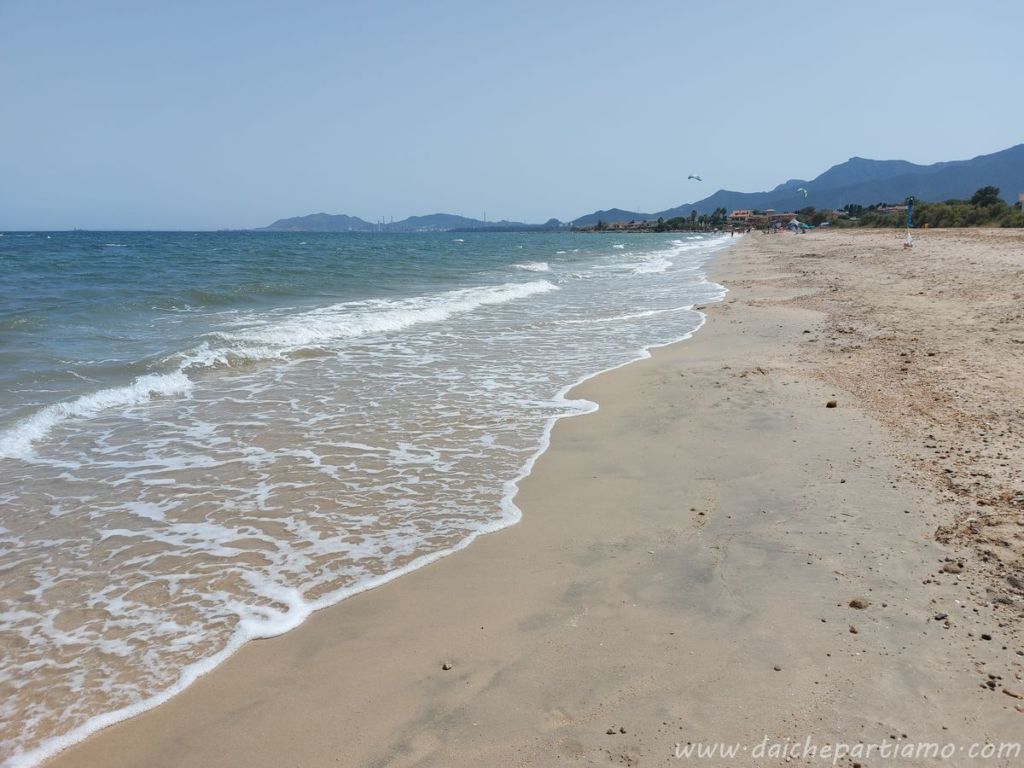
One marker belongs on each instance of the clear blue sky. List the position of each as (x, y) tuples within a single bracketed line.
[(185, 114)]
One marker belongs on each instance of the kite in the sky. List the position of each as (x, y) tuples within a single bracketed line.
[(694, 176), (801, 189)]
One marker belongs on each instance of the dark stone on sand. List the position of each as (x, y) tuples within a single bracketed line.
[(941, 616), (831, 404), (777, 668), (859, 603), (853, 630), (446, 666), (986, 636), (610, 731)]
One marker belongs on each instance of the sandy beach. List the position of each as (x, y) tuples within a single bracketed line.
[(713, 557)]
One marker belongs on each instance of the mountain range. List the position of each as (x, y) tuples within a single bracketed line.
[(435, 222), (858, 180)]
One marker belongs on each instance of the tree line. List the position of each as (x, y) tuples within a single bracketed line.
[(984, 209), (695, 222)]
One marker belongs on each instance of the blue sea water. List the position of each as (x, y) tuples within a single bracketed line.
[(206, 436)]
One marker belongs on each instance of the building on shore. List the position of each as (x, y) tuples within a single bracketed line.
[(761, 219)]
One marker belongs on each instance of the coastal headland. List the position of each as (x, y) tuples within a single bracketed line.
[(801, 526)]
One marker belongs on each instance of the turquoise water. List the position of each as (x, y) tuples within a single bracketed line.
[(206, 436), (106, 305)]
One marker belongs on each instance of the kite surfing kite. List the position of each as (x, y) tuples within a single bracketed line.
[(695, 177), (801, 189)]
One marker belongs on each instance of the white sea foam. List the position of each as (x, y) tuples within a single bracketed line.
[(267, 341), (652, 266), (260, 622), (377, 316), (629, 316), (534, 266), (619, 246), (315, 467), (17, 441), (656, 262)]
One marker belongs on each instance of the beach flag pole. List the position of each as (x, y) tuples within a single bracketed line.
[(909, 241)]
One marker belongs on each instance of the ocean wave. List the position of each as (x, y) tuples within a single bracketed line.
[(17, 441), (460, 473), (362, 318), (657, 262), (303, 335), (232, 294), (534, 266), (241, 357), (652, 266)]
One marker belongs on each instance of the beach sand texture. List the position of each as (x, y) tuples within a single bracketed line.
[(688, 555)]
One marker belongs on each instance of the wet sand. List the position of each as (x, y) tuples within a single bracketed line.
[(689, 553)]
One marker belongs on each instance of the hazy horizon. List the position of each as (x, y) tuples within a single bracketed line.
[(144, 116)]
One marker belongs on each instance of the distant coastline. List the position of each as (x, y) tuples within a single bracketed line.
[(875, 188), (858, 183)]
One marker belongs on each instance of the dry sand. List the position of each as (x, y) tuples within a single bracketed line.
[(689, 553)]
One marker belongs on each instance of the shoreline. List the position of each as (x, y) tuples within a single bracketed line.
[(511, 515), (351, 687)]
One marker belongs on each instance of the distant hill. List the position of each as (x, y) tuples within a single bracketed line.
[(435, 222), (858, 180), (612, 214), (446, 222), (861, 181), (322, 222)]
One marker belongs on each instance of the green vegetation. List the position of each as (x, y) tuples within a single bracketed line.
[(693, 222), (814, 217), (984, 209)]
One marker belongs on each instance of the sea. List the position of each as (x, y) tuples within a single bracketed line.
[(205, 437)]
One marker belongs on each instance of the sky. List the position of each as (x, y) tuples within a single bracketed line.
[(221, 114)]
